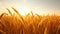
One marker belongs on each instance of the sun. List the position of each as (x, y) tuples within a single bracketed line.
[(24, 10)]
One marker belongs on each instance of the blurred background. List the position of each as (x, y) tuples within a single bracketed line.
[(41, 7)]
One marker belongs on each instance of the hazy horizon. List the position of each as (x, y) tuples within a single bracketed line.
[(37, 6)]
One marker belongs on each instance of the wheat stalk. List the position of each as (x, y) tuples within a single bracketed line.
[(16, 11), (9, 11), (19, 15), (3, 15)]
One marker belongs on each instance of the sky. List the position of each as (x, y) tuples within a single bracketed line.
[(37, 6)]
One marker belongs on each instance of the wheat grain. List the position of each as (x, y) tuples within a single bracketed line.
[(3, 15), (9, 11)]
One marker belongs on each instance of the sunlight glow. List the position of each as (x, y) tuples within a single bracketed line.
[(24, 10)]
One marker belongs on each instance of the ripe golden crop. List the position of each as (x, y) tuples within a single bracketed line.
[(34, 24)]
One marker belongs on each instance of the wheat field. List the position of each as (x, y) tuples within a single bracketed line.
[(35, 24)]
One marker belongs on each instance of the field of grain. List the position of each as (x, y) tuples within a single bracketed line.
[(30, 24)]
